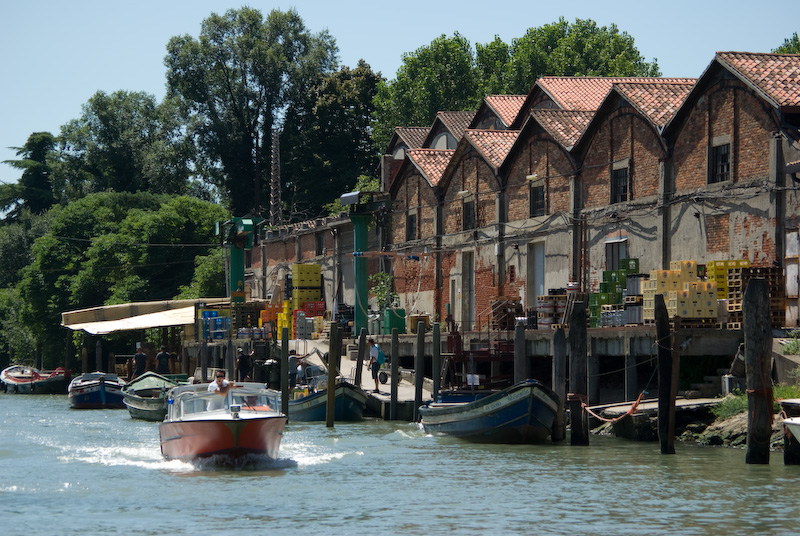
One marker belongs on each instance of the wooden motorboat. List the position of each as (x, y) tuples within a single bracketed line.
[(310, 402), (793, 424), (146, 396), (245, 424), (28, 380), (96, 390), (522, 413)]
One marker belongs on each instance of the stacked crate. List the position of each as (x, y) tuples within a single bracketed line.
[(663, 282), (270, 314), (717, 271), (698, 300), (285, 318), (610, 306), (737, 284), (244, 315)]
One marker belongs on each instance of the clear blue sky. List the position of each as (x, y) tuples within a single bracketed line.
[(54, 55)]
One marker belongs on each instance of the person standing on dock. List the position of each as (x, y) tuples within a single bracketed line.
[(374, 361), (162, 361), (244, 365), (139, 363)]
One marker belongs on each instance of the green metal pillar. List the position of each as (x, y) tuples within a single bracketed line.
[(361, 268)]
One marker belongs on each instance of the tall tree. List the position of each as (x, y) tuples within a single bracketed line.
[(238, 78), (326, 140), (125, 142), (437, 77), (34, 190)]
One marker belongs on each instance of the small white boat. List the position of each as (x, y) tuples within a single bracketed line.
[(244, 425), (146, 396)]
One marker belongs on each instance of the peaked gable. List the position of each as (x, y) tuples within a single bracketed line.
[(493, 145), (499, 110), (775, 76)]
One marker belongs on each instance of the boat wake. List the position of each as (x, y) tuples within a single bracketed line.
[(250, 462)]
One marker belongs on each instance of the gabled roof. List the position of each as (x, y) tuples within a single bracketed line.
[(775, 76), (656, 100), (504, 107), (493, 145), (430, 162), (454, 122), (583, 93), (565, 126), (412, 137)]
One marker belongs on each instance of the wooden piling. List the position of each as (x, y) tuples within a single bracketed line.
[(666, 404), (436, 362), (519, 353), (203, 362), (419, 369), (579, 422), (98, 355), (285, 371), (758, 361), (362, 350), (333, 364), (395, 375), (559, 382)]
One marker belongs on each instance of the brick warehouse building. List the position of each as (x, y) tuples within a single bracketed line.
[(533, 192)]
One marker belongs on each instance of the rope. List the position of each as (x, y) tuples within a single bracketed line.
[(630, 411)]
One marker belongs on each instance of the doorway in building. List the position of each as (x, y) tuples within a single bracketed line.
[(535, 286)]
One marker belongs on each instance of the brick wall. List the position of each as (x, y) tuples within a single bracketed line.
[(472, 175)]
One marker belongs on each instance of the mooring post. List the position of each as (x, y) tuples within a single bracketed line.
[(664, 342), (395, 375), (334, 352), (419, 369), (285, 371), (203, 361), (631, 378), (519, 353), (758, 361), (362, 350), (579, 422), (98, 355), (559, 382), (436, 361)]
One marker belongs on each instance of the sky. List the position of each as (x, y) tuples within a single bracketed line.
[(55, 55)]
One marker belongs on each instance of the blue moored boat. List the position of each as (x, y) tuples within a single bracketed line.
[(96, 390), (522, 413), (310, 405)]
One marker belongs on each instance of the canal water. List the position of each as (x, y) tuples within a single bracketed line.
[(79, 472)]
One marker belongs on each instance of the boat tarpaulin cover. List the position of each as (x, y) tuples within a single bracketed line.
[(160, 319)]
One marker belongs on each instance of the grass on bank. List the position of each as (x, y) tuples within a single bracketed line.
[(736, 402)]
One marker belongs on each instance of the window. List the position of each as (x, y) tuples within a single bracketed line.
[(720, 165), (468, 215), (615, 252), (320, 243), (537, 200), (619, 185), (411, 226)]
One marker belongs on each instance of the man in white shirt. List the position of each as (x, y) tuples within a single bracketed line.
[(219, 386)]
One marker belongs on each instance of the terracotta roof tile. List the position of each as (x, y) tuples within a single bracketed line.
[(493, 144), (413, 137), (565, 126), (456, 122), (506, 106), (775, 75), (431, 162), (657, 101), (587, 92)]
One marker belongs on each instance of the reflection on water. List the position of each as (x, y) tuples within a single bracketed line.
[(373, 477)]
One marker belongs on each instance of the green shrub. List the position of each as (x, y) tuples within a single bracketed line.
[(736, 402)]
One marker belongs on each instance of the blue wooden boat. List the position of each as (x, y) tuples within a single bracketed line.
[(96, 390), (310, 404), (522, 413)]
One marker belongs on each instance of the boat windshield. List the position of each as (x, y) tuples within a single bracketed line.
[(189, 403)]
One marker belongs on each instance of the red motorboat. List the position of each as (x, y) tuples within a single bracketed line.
[(28, 380), (201, 425)]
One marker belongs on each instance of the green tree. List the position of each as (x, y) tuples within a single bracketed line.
[(113, 247), (34, 190), (125, 142), (491, 60), (578, 49), (238, 79), (438, 77), (209, 277), (790, 45), (326, 140)]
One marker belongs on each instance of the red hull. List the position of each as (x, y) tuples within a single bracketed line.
[(233, 438)]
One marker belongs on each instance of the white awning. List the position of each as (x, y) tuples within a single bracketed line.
[(161, 319)]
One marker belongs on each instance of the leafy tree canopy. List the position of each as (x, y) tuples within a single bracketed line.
[(237, 79), (326, 140), (34, 190), (790, 45)]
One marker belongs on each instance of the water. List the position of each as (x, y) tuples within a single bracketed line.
[(65, 472)]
